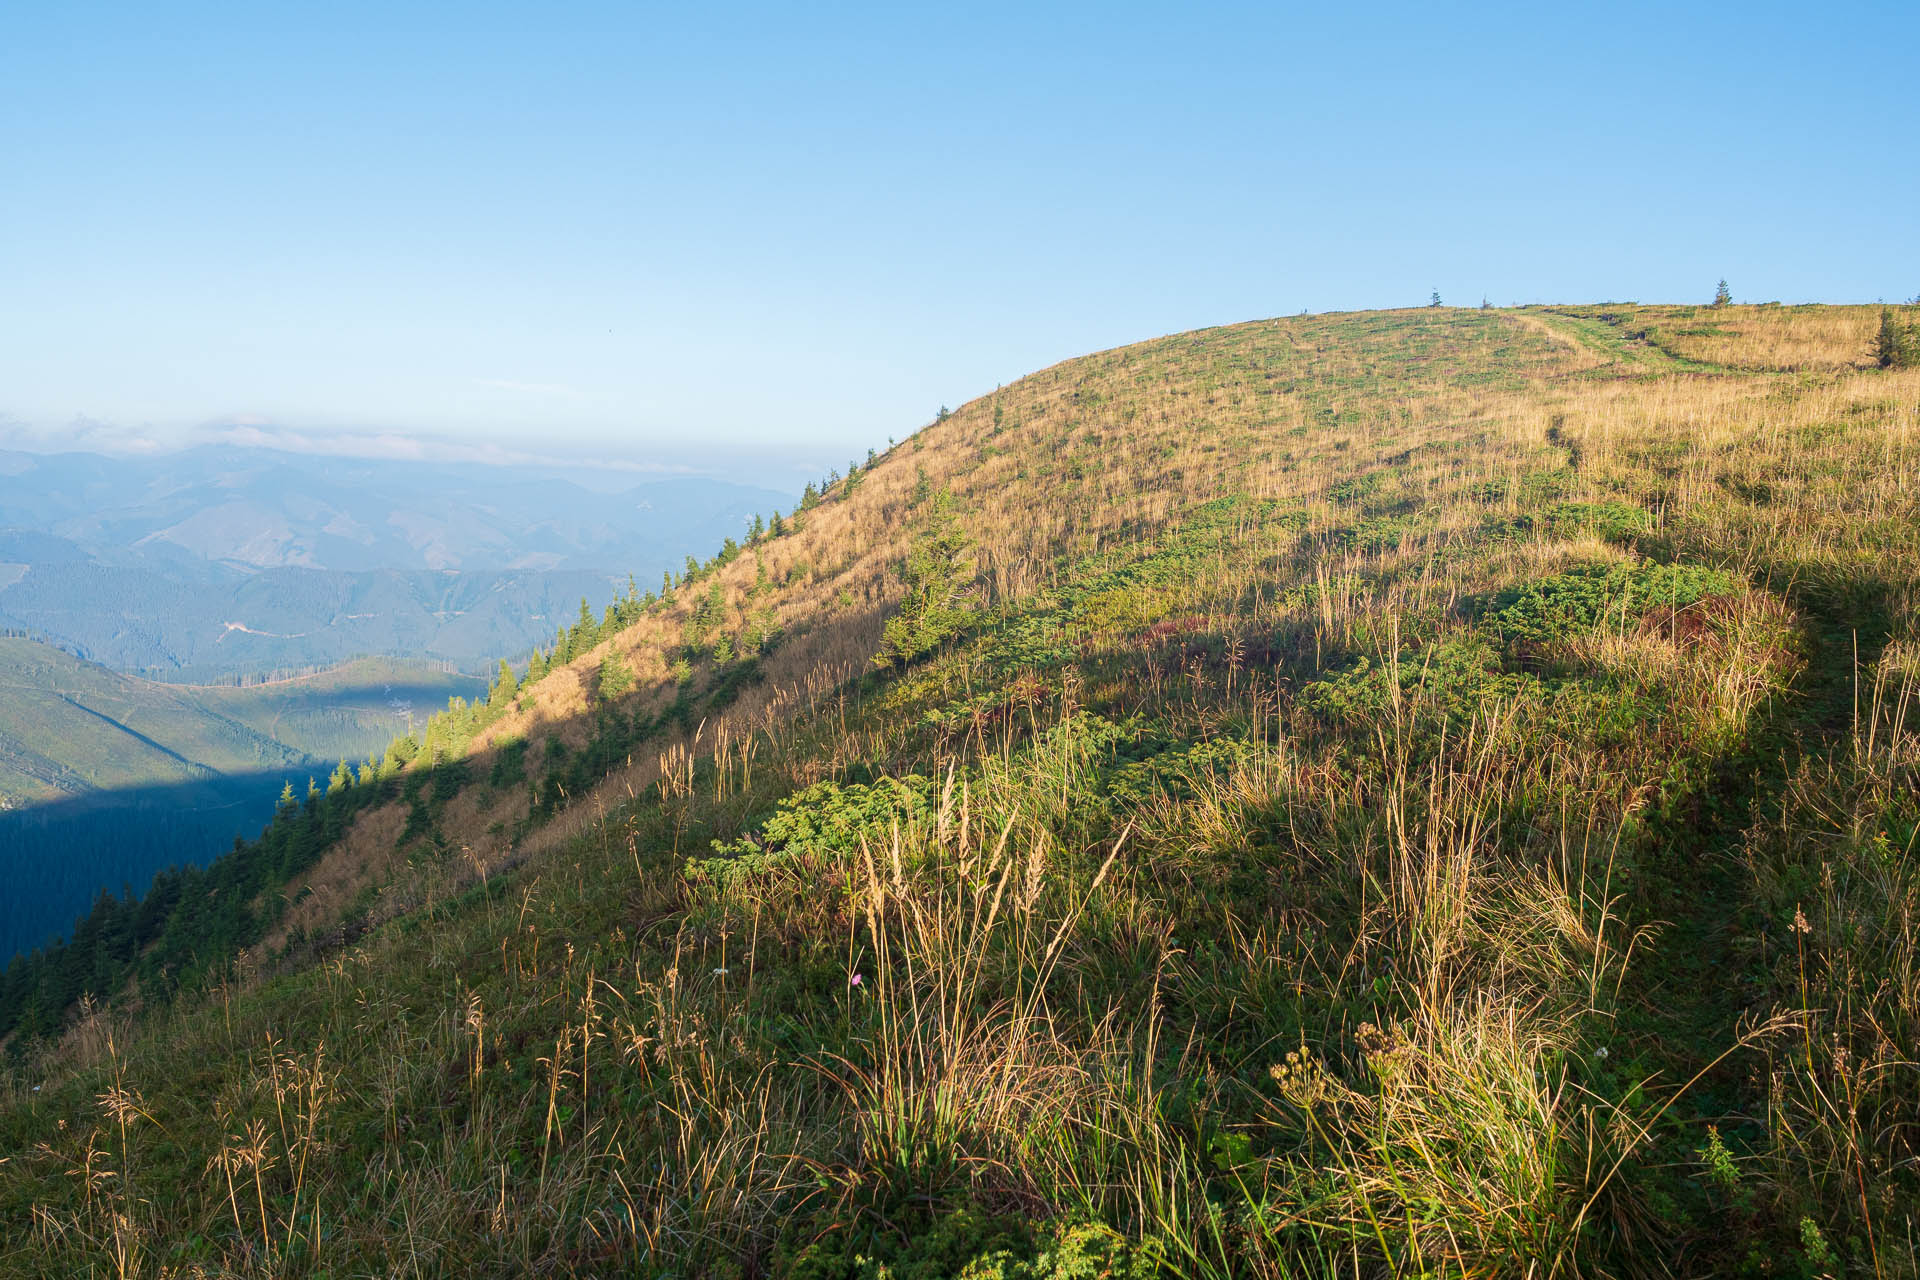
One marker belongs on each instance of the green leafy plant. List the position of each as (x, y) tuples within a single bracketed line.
[(1554, 608)]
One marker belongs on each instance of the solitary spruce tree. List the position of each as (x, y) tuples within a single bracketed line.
[(616, 677), (1894, 346), (938, 574), (1721, 296)]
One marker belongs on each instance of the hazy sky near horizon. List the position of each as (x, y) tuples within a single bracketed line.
[(618, 230)]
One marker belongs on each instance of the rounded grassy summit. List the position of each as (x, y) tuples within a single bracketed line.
[(1401, 793)]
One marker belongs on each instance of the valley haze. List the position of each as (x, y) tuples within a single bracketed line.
[(215, 561)]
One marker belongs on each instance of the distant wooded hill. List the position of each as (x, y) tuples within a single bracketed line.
[(105, 778)]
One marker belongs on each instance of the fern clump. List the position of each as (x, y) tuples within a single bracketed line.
[(1446, 684), (826, 818), (1567, 604), (1613, 521), (1620, 522), (1178, 772), (968, 1245)]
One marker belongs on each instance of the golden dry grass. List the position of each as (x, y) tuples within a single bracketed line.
[(1117, 444), (1783, 338)]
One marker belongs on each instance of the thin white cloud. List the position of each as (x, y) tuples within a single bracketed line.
[(528, 388), (79, 433), (253, 430), (401, 448)]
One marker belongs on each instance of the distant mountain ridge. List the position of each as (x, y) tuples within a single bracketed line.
[(176, 626), (218, 560), (264, 509)]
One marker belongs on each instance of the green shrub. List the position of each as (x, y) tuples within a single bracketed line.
[(509, 765), (734, 678)]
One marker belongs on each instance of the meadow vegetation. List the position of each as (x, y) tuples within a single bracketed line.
[(1409, 793)]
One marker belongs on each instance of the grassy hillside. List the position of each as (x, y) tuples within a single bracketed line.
[(345, 713), (106, 778), (1391, 794), (68, 726)]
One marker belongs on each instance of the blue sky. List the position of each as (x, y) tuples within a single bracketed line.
[(713, 234)]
